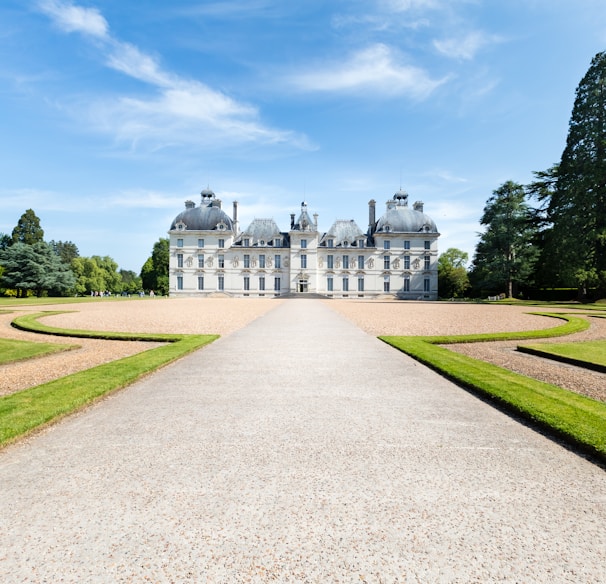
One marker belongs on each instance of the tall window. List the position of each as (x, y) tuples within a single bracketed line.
[(277, 262), (247, 260), (200, 260), (426, 284), (246, 242), (277, 284), (345, 284), (246, 282), (427, 244), (360, 243), (407, 262), (427, 262), (179, 260), (386, 244), (406, 284), (406, 244), (346, 262), (303, 261), (221, 283), (221, 243), (330, 261), (179, 282), (261, 282), (200, 243), (386, 262), (200, 282), (330, 243), (304, 243), (262, 261), (179, 242), (277, 242), (329, 283), (361, 262), (221, 261), (360, 284), (386, 285)]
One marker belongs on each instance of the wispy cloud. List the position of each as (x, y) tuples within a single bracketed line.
[(178, 111), (377, 70), (465, 47)]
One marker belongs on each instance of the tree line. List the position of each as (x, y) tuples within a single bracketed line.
[(31, 266), (551, 233)]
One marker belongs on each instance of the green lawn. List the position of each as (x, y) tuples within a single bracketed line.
[(575, 418), (27, 410), (590, 354), (15, 350)]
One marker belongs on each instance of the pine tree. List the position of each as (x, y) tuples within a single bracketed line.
[(28, 229), (505, 255), (577, 206)]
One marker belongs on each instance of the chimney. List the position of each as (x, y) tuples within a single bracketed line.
[(371, 216), (235, 217), (292, 220), (189, 204), (316, 221), (418, 206)]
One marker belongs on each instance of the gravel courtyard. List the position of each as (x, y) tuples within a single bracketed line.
[(224, 315)]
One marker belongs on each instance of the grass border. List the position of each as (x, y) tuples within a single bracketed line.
[(576, 419), (26, 411)]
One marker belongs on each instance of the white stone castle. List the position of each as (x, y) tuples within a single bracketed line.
[(397, 255)]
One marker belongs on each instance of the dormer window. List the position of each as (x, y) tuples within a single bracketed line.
[(330, 243), (262, 242), (246, 242), (180, 226)]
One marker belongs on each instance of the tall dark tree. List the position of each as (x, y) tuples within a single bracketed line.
[(5, 241), (577, 204), (154, 273), (28, 229), (66, 250), (505, 254)]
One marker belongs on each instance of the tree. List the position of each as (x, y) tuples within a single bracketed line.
[(131, 283), (453, 280), (28, 229), (505, 255), (96, 274), (5, 241), (154, 273), (66, 250), (34, 267), (576, 240)]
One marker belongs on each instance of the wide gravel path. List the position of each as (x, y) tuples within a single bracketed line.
[(298, 449)]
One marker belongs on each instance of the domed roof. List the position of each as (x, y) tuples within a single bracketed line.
[(400, 218), (207, 217)]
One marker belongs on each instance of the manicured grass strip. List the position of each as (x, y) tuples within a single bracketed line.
[(573, 417), (23, 412), (15, 350), (573, 324), (590, 354), (30, 322)]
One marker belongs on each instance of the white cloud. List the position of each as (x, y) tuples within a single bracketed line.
[(374, 70), (466, 47), (71, 18), (177, 111)]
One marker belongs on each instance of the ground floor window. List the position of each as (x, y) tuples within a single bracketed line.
[(221, 283), (277, 284), (179, 282), (345, 283), (246, 282), (360, 284), (426, 285), (406, 285), (200, 282), (261, 282), (386, 285), (329, 284)]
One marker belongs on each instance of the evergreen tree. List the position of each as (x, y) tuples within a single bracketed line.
[(66, 250), (28, 229), (577, 206), (36, 268), (505, 254), (5, 240)]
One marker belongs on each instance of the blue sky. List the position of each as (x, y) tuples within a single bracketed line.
[(113, 113)]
